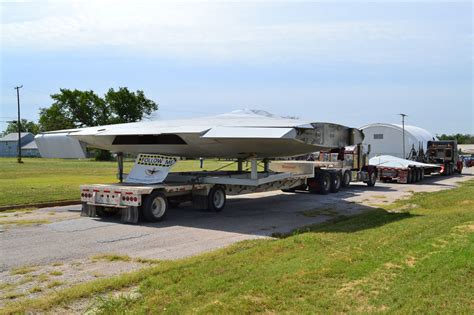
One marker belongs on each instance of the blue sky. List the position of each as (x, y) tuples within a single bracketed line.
[(346, 62)]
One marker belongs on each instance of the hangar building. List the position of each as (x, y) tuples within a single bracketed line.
[(387, 139)]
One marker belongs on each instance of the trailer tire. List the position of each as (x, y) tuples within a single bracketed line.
[(346, 179), (410, 176), (422, 174), (155, 207), (372, 179), (216, 199), (336, 179), (324, 183)]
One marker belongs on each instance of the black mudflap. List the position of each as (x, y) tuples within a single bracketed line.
[(130, 215), (87, 211), (200, 202)]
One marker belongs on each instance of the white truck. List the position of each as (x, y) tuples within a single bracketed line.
[(208, 190)]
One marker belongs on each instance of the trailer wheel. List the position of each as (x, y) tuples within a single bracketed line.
[(336, 180), (155, 207), (422, 174), (216, 199), (324, 183), (372, 179), (346, 179), (409, 176)]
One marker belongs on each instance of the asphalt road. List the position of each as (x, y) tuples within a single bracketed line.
[(187, 231)]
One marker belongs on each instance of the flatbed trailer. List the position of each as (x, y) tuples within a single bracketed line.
[(208, 190), (441, 159), (406, 175)]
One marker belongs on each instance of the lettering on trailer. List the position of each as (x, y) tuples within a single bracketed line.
[(150, 169)]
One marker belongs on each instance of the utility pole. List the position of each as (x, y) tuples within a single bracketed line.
[(17, 88), (403, 127)]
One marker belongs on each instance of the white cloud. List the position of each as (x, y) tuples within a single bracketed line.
[(214, 31)]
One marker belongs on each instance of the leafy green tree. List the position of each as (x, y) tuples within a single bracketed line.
[(125, 106), (26, 126), (77, 109), (55, 118)]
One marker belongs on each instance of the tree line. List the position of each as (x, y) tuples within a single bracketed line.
[(460, 138)]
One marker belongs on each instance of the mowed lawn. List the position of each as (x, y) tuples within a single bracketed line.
[(415, 256), (45, 180)]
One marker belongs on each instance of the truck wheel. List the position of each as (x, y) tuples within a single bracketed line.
[(422, 172), (446, 169), (155, 207), (410, 176), (324, 183), (216, 199), (336, 180), (372, 179), (346, 179)]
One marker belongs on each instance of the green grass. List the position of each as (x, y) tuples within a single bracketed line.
[(23, 270), (386, 260), (47, 180), (54, 284), (111, 257), (23, 222), (35, 289)]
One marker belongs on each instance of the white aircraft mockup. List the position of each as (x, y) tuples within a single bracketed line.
[(239, 134)]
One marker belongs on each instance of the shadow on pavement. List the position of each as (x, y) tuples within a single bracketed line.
[(265, 214), (372, 219)]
